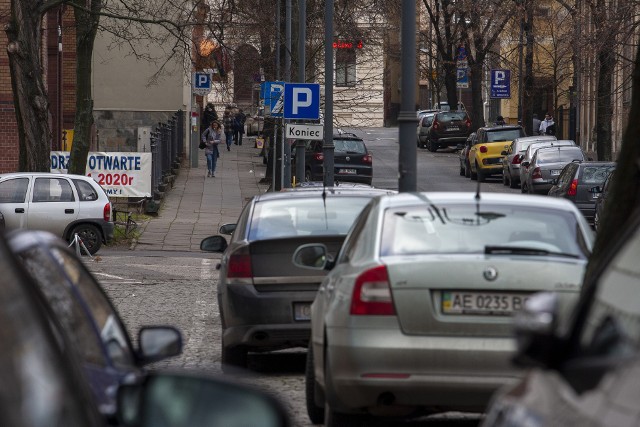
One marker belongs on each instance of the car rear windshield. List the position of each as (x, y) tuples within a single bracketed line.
[(452, 116), (559, 156), (504, 135), (351, 146), (305, 216), (596, 174), (469, 229)]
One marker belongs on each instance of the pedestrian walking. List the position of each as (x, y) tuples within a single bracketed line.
[(208, 115), (212, 137), (228, 126), (238, 126), (500, 121), (536, 124), (548, 127)]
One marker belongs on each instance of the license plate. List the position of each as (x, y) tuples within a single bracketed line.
[(302, 311), (483, 303), (347, 171), (453, 128), (555, 172)]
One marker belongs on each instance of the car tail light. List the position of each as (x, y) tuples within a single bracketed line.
[(372, 294), (573, 188), (483, 149), (468, 123), (516, 159), (318, 156), (436, 125), (106, 212), (536, 174), (239, 265), (367, 158)]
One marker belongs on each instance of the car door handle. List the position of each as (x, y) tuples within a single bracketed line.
[(68, 211), (19, 210)]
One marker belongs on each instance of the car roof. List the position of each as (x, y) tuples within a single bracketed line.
[(311, 192), (346, 135), (39, 174), (559, 148), (417, 199), (536, 138), (500, 127)]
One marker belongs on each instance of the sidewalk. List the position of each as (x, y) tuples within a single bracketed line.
[(197, 206)]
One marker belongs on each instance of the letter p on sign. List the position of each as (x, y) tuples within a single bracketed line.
[(302, 97), (500, 76)]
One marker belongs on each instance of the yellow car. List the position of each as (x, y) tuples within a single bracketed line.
[(485, 156)]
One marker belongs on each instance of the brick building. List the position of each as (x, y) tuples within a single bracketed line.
[(59, 72)]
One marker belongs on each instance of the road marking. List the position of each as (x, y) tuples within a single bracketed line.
[(111, 276), (203, 309)]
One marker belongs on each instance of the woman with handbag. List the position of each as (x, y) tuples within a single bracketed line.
[(211, 138)]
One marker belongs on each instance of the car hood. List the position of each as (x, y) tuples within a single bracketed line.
[(419, 284)]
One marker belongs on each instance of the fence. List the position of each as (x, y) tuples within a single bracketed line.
[(167, 152)]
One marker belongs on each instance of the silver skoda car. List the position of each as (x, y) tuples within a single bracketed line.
[(414, 315)]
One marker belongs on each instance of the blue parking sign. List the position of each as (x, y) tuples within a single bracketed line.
[(302, 101), (500, 84)]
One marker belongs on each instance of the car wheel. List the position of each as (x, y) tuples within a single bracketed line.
[(512, 183), (432, 146), (233, 358), (462, 171), (523, 188), (307, 175), (505, 180), (480, 175), (315, 412), (90, 236), (467, 170), (474, 175)]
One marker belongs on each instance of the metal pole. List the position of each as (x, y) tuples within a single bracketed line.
[(277, 40), (286, 171), (194, 139), (407, 166), (302, 37), (327, 145), (520, 76)]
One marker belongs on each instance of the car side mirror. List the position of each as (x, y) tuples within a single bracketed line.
[(174, 400), (213, 244), (595, 190), (525, 164), (313, 256), (227, 229), (534, 330), (159, 342), (504, 153)]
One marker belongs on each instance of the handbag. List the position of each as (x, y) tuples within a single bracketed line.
[(202, 145)]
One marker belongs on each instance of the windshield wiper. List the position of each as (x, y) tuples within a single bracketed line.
[(518, 250)]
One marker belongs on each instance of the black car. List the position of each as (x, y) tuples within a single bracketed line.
[(601, 194), (45, 380), (89, 318), (352, 161), (449, 129), (576, 181)]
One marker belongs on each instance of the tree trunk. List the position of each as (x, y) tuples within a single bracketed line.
[(86, 28), (528, 83), (29, 92), (625, 189), (450, 84), (604, 109)]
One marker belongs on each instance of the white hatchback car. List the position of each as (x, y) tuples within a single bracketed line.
[(62, 204)]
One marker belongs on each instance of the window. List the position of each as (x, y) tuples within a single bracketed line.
[(86, 192), (52, 190), (14, 190), (345, 67)]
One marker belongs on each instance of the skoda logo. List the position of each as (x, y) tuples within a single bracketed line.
[(348, 159), (490, 273)]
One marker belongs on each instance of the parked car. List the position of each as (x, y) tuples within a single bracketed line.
[(576, 181), (444, 106), (485, 156), (44, 384), (421, 113), (255, 123), (88, 317), (546, 165), (264, 300), (65, 205), (531, 150), (351, 159), (513, 157), (424, 123), (415, 313), (449, 128), (463, 155), (581, 354), (602, 193)]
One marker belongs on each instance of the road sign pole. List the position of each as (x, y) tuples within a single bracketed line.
[(194, 141)]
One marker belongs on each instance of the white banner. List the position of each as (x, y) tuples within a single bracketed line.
[(120, 174)]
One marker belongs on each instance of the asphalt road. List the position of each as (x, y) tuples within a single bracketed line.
[(178, 288)]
